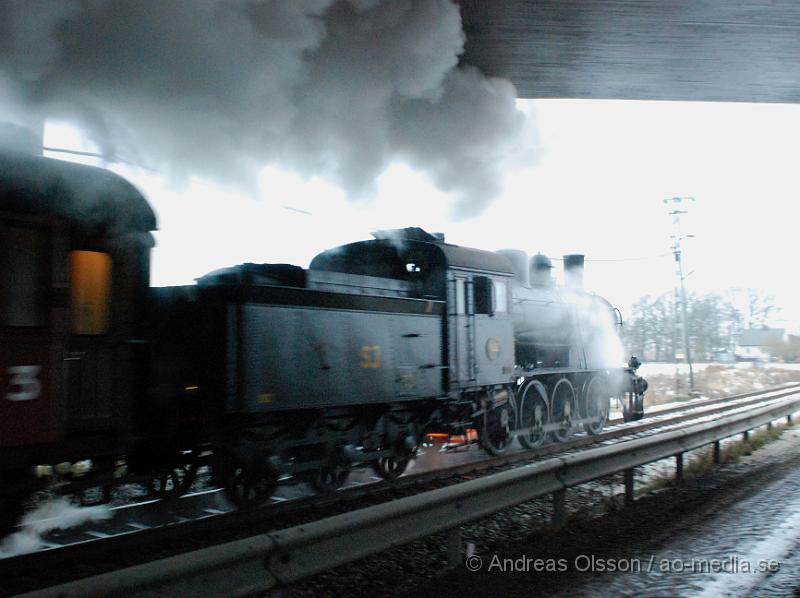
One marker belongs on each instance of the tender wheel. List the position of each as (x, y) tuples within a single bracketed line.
[(598, 404), (394, 435), (563, 411), (495, 433), (246, 484), (533, 415), (332, 475), (249, 489), (175, 481), (390, 468)]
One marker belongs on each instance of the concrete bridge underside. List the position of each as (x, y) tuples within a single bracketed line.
[(705, 50)]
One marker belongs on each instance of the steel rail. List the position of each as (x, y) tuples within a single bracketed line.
[(677, 406), (95, 549), (262, 562)]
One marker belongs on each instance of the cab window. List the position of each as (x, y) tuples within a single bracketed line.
[(90, 281), (461, 297), (24, 274), (500, 299), (483, 294)]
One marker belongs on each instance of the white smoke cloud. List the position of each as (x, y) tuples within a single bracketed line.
[(51, 515), (219, 88)]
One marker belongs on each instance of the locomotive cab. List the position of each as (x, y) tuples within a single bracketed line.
[(477, 332)]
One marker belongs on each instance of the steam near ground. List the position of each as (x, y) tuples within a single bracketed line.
[(54, 514), (331, 88)]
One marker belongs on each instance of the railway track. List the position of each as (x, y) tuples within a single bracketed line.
[(137, 533)]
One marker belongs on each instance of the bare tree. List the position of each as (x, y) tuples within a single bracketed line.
[(715, 321), (759, 308)]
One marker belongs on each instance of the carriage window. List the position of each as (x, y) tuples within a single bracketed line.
[(24, 275), (500, 301), (90, 275)]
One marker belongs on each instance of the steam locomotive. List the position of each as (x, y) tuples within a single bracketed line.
[(275, 371)]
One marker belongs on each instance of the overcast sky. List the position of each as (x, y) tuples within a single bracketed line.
[(597, 187)]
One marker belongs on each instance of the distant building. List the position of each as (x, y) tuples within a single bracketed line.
[(723, 356), (755, 344)]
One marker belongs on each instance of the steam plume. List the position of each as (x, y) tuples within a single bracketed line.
[(55, 514), (337, 88)]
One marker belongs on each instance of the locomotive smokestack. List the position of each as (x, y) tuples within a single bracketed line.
[(573, 271)]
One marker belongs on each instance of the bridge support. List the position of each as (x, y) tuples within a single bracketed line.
[(559, 508), (454, 558), (629, 486)]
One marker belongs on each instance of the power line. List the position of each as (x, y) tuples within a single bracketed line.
[(105, 158), (623, 259)]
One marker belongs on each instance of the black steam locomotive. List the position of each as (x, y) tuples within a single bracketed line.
[(275, 371)]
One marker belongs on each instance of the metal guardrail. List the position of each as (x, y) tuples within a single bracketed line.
[(257, 564)]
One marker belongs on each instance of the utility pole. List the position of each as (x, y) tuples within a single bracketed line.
[(675, 203), (675, 341)]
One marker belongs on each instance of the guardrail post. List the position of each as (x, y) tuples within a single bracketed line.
[(559, 508), (454, 547), (717, 454), (746, 436), (628, 486), (679, 467)]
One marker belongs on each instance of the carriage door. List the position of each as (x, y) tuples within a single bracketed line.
[(89, 360), (461, 332), (29, 392)]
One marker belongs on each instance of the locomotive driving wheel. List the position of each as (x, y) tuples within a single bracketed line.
[(598, 404), (563, 401), (533, 415), (390, 468), (495, 432)]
